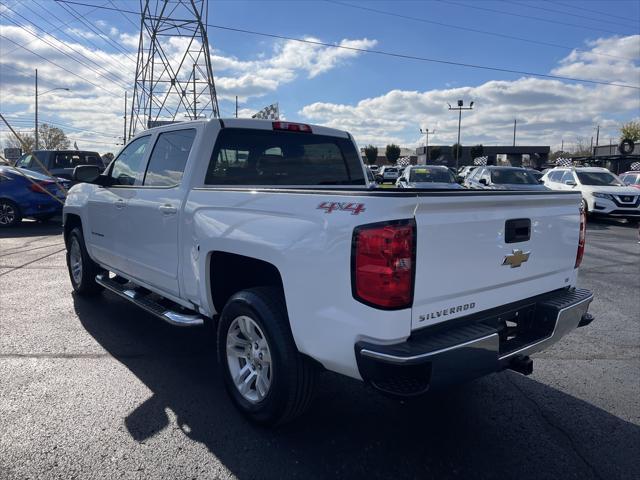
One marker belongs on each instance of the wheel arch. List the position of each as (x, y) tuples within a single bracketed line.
[(71, 221)]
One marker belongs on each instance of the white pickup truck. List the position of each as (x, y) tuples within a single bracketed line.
[(271, 231)]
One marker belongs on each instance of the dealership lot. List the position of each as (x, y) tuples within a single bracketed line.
[(98, 389)]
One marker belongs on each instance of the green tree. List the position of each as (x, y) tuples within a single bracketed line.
[(630, 131), (52, 138), (392, 153), (371, 153), (477, 151)]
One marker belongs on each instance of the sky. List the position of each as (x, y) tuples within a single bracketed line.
[(378, 98)]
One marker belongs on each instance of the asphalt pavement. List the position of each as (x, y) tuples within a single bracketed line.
[(98, 389)]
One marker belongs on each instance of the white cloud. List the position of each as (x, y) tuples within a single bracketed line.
[(91, 107), (546, 110)]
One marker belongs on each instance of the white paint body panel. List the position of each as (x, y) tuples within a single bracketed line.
[(460, 247)]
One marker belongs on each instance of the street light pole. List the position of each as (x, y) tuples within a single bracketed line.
[(36, 145), (459, 108), (426, 132)]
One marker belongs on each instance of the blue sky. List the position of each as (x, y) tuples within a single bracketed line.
[(380, 99)]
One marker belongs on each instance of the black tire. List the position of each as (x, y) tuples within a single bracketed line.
[(83, 283), (585, 208), (292, 375), (10, 214)]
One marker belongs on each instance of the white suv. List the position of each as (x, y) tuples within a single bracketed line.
[(603, 193)]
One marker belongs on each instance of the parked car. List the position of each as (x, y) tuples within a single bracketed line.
[(503, 178), (466, 170), (431, 176), (631, 179), (59, 163), (21, 198), (304, 268), (373, 168), (387, 174), (603, 193)]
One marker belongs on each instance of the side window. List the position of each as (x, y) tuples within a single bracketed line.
[(168, 158), (127, 167), (568, 175), (556, 175), (486, 174)]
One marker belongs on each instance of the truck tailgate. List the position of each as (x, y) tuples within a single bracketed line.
[(464, 264)]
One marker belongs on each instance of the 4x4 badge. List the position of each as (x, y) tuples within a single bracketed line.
[(517, 258)]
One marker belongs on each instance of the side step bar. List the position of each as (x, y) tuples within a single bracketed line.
[(143, 301)]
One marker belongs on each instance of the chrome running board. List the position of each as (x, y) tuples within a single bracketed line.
[(143, 300)]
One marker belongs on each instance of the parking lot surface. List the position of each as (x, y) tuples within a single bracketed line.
[(98, 389)]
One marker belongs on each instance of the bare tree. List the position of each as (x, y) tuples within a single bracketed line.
[(52, 138), (28, 139)]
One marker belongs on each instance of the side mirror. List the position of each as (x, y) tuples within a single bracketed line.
[(571, 183), (483, 181), (86, 173), (459, 179)]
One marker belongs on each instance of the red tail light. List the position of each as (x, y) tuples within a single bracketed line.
[(292, 127), (383, 264), (39, 187), (581, 237)]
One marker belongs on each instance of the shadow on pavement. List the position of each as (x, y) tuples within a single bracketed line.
[(605, 223), (502, 426), (31, 228)]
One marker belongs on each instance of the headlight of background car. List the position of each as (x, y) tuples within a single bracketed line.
[(602, 195)]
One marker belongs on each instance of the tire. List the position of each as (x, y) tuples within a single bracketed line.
[(9, 214), (82, 270), (288, 376), (585, 208)]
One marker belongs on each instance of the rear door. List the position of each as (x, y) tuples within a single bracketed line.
[(150, 242), (468, 259)]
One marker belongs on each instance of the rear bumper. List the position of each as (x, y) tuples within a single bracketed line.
[(472, 346)]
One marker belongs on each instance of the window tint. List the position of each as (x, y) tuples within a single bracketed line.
[(73, 159), (168, 158), (512, 177), (598, 178), (25, 161), (426, 174), (265, 157), (556, 175), (127, 167), (568, 175)]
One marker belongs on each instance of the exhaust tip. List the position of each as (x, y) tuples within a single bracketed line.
[(586, 319), (521, 364)]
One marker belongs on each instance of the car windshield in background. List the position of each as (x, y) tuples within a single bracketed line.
[(598, 178), (73, 159), (418, 175), (265, 157), (512, 177)]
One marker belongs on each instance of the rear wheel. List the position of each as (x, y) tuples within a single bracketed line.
[(9, 213), (82, 270), (585, 207), (268, 380)]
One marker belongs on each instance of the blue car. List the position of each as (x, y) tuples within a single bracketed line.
[(21, 198)]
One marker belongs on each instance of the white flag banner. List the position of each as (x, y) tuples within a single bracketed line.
[(480, 160), (403, 161), (635, 166), (272, 112), (564, 162)]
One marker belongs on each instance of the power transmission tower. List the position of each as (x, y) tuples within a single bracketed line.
[(174, 78)]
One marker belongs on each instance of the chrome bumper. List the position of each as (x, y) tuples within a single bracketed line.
[(477, 345)]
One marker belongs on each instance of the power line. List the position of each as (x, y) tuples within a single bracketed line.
[(536, 7), (474, 30), (111, 77), (530, 17), (65, 125), (60, 67), (555, 2), (391, 54)]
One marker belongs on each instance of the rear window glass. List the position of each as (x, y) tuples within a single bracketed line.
[(438, 175), (73, 159), (512, 177), (264, 157)]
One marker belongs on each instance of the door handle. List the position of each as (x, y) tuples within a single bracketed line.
[(120, 204), (168, 209)]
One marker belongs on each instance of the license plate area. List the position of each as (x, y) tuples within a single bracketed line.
[(520, 327)]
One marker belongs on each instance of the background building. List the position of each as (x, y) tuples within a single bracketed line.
[(519, 156)]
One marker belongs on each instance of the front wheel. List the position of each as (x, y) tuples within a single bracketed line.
[(268, 380), (9, 213), (82, 270)]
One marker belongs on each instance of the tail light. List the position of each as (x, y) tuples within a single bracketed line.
[(581, 237), (40, 187), (292, 127), (383, 264)]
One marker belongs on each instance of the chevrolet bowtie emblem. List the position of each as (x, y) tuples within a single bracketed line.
[(517, 258)]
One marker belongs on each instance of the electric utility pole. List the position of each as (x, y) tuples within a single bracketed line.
[(426, 132), (459, 108), (514, 132)]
